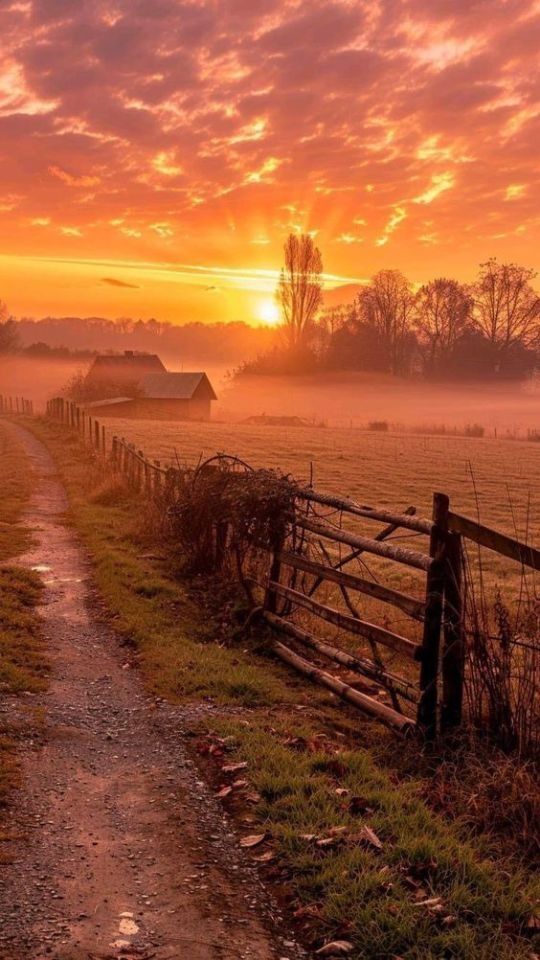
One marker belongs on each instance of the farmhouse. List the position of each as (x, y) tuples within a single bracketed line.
[(124, 368), (163, 396)]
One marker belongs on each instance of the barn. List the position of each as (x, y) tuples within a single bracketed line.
[(127, 368), (164, 396)]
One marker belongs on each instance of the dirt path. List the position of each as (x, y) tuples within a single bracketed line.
[(124, 852)]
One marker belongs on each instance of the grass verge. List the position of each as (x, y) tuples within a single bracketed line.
[(23, 667), (355, 851)]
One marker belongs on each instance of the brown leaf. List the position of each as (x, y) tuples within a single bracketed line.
[(233, 767), (265, 857), (239, 784), (253, 840), (336, 948), (369, 837), (224, 792)]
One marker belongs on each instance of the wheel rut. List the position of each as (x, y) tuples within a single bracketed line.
[(121, 850)]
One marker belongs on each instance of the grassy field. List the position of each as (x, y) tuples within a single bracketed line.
[(391, 470), (315, 771)]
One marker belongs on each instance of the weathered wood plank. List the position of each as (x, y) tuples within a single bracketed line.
[(418, 524), (411, 558), (361, 628), (343, 690), (509, 547), (415, 608), (359, 664)]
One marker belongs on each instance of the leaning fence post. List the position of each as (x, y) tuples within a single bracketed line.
[(453, 659), (427, 707)]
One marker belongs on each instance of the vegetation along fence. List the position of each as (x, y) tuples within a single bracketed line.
[(305, 557)]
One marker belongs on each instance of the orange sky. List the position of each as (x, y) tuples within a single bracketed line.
[(155, 153)]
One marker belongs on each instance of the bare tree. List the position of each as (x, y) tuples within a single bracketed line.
[(387, 304), (9, 339), (506, 308), (299, 291), (442, 313)]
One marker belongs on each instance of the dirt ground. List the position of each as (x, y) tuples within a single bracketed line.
[(118, 849)]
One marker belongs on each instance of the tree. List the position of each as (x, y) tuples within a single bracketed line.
[(506, 308), (9, 338), (387, 305), (442, 313), (299, 291)]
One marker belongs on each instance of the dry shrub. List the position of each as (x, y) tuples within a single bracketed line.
[(218, 514), (502, 683)]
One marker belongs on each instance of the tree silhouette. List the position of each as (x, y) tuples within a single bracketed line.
[(506, 308), (387, 304), (9, 339), (442, 313), (299, 291)]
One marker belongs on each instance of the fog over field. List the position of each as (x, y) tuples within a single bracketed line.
[(338, 399)]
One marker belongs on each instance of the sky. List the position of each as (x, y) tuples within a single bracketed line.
[(154, 154)]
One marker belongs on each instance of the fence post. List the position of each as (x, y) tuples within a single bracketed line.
[(435, 582), (453, 659), (270, 600)]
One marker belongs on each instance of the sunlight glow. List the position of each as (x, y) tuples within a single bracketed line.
[(268, 312)]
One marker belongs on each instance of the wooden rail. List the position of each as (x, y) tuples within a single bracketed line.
[(411, 558), (404, 520), (356, 625), (415, 608), (486, 537)]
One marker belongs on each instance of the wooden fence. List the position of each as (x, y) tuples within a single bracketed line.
[(413, 676), (16, 405)]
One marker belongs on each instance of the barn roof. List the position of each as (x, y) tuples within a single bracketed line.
[(128, 362), (107, 403), (176, 386)]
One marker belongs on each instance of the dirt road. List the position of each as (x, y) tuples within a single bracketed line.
[(122, 850)]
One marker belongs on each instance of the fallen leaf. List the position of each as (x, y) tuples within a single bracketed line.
[(265, 857), (224, 792), (238, 784), (253, 840), (341, 791), (337, 948), (308, 836), (233, 767), (329, 841), (367, 835)]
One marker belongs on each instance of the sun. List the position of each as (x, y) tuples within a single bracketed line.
[(268, 312)]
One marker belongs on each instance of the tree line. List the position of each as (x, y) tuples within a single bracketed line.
[(443, 329)]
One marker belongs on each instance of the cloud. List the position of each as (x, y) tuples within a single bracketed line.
[(73, 181), (113, 282), (439, 183), (179, 118)]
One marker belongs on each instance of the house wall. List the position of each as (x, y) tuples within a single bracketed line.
[(152, 409)]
